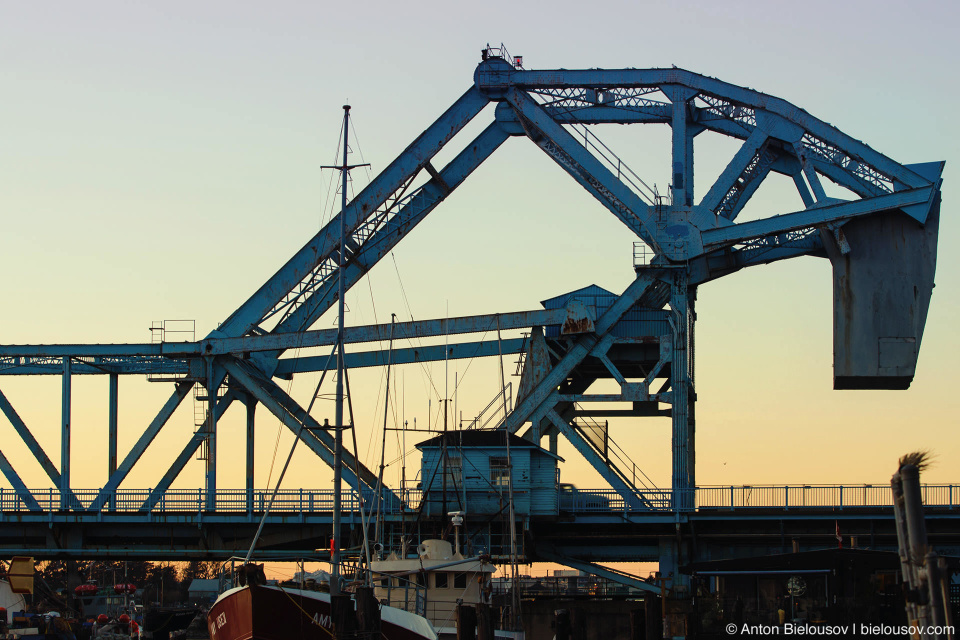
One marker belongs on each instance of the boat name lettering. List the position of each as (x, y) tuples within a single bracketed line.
[(321, 620)]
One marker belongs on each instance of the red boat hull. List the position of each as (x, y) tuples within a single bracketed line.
[(271, 613)]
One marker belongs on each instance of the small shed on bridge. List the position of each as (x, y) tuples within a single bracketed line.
[(467, 471)]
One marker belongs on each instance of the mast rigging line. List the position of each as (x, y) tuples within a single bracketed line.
[(297, 350)]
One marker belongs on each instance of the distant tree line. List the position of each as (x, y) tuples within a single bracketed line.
[(161, 582)]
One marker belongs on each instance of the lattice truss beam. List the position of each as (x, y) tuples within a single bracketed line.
[(554, 109)]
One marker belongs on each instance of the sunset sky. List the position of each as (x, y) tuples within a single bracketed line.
[(161, 160)]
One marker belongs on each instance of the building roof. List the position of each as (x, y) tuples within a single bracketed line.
[(588, 295), (481, 439)]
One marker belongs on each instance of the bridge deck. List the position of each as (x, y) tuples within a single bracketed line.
[(313, 503)]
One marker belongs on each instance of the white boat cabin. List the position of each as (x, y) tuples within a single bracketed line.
[(433, 582)]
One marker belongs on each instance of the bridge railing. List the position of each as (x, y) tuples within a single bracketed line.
[(816, 496), (194, 500), (570, 499)]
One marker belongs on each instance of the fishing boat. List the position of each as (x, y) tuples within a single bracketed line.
[(436, 582), (96, 599), (164, 623), (272, 612), (10, 601)]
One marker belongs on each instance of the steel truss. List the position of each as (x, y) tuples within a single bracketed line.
[(693, 243)]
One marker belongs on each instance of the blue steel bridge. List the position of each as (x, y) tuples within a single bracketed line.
[(880, 239), (588, 526)]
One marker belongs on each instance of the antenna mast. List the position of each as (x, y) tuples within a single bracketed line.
[(338, 412)]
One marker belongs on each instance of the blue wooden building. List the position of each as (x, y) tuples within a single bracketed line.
[(467, 471)]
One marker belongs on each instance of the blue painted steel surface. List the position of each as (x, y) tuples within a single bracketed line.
[(645, 283), (430, 353), (381, 332), (632, 498)]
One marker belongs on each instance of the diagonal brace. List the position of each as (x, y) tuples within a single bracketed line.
[(407, 217), (295, 418), (726, 236), (195, 440), (110, 488), (731, 180), (629, 493), (17, 483), (33, 445), (584, 167), (402, 169)]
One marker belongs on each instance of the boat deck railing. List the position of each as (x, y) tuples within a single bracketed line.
[(569, 500)]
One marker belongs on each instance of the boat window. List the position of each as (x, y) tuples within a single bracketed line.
[(384, 582), (421, 579), (460, 581), (499, 472), (440, 580)]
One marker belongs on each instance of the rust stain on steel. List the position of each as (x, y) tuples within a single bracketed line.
[(577, 325)]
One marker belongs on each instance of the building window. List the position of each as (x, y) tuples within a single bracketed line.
[(454, 472), (460, 581), (440, 580), (499, 472)]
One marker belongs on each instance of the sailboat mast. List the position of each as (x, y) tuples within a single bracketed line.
[(338, 412)]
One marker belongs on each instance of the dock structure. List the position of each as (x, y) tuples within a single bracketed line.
[(880, 242)]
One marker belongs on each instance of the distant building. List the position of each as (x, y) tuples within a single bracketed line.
[(829, 586), (203, 591)]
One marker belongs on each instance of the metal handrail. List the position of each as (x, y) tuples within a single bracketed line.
[(320, 501)]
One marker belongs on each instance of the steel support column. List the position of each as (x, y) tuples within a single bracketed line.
[(682, 145), (683, 394), (65, 438), (112, 429), (251, 404), (210, 502)]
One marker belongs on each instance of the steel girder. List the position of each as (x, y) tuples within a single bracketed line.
[(550, 554)]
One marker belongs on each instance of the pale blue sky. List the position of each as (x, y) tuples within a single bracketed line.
[(160, 160)]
